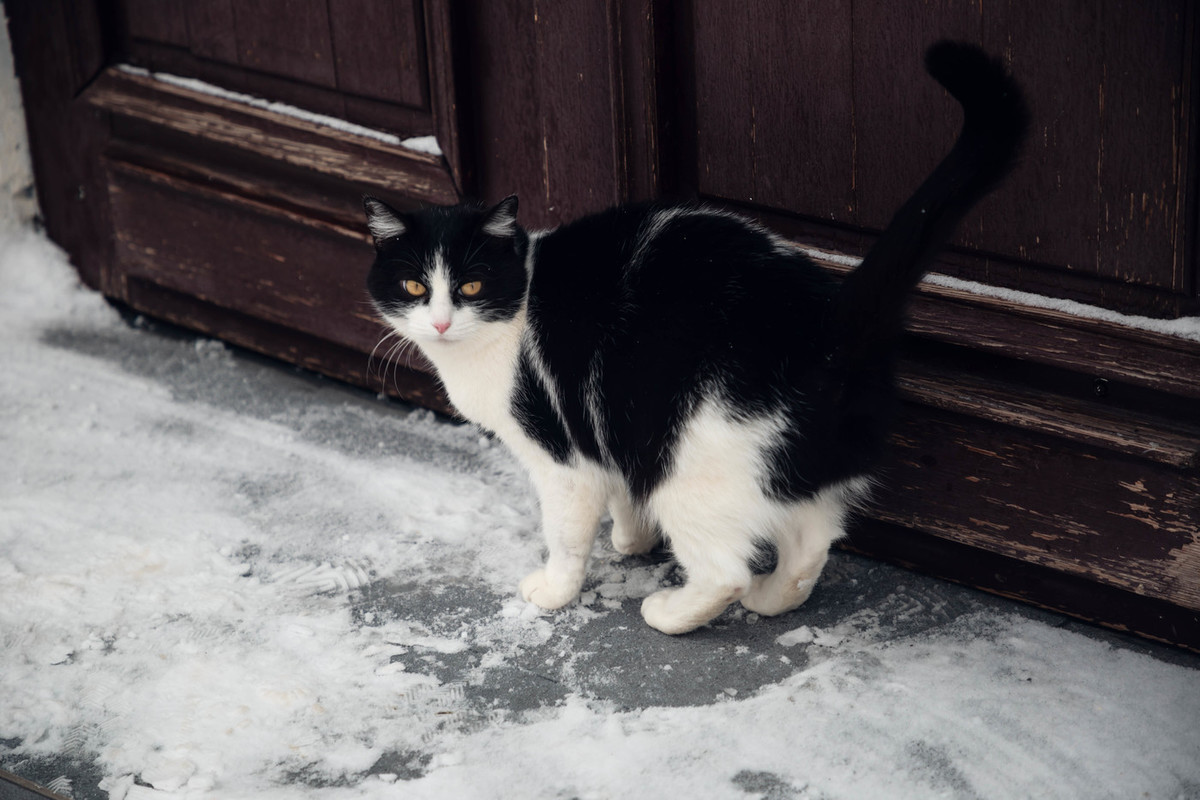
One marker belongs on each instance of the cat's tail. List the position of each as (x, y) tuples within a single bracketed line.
[(870, 305)]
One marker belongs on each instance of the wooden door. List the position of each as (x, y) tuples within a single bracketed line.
[(801, 108), (226, 149), (1047, 451)]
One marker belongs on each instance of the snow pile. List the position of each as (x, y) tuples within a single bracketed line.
[(215, 584), (38, 286)]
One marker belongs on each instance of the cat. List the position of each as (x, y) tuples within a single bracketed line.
[(682, 368)]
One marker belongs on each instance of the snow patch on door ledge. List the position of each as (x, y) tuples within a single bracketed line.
[(1182, 328), (419, 144)]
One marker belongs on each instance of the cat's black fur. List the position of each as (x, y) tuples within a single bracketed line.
[(710, 301)]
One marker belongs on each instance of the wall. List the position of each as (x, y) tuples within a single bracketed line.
[(18, 203)]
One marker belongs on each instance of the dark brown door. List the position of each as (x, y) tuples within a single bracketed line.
[(225, 150), (804, 108), (1048, 451)]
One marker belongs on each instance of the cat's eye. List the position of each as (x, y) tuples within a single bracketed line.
[(415, 288), (471, 288)]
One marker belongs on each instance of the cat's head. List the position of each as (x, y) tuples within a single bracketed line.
[(447, 275)]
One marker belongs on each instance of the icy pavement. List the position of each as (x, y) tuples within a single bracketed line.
[(222, 578)]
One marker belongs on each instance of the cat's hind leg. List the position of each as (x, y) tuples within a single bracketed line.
[(711, 509), (717, 575), (632, 533), (803, 541), (572, 501)]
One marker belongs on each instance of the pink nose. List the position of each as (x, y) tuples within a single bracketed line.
[(441, 327)]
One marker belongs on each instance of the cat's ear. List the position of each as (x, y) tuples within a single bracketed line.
[(383, 221), (501, 219)]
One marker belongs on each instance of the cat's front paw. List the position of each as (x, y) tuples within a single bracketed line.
[(539, 589)]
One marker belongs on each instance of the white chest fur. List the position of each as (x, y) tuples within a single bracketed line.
[(479, 375)]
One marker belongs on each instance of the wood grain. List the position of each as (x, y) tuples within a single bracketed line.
[(269, 262), (288, 38), (574, 80), (448, 87), (274, 136), (1115, 519), (157, 20), (1074, 595), (897, 107), (1094, 347), (1164, 441), (415, 385), (212, 29), (379, 50), (500, 64), (641, 60), (774, 107)]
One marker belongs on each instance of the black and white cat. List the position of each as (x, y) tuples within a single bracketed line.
[(682, 368)]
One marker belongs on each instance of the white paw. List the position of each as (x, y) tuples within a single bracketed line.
[(537, 588), (763, 603), (658, 613), (769, 596)]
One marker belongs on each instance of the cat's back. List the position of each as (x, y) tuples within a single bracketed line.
[(649, 274), (643, 313)]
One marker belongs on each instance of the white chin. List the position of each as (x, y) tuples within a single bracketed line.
[(433, 338)]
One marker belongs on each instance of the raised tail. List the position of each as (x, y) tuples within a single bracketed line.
[(871, 302)]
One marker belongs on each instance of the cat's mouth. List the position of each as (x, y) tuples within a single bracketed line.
[(433, 334)]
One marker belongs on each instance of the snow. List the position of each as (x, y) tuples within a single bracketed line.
[(1183, 327), (420, 144), (219, 579)]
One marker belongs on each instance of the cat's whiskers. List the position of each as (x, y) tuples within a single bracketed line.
[(395, 355), (371, 358), (391, 359)]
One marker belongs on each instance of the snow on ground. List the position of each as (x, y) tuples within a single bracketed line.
[(219, 579)]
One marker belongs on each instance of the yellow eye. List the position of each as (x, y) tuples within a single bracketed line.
[(470, 289), (415, 288)]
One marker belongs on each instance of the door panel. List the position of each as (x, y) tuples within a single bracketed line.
[(211, 27), (898, 106), (268, 265), (802, 109), (361, 60), (775, 119), (288, 38), (246, 220), (1108, 84), (380, 50)]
